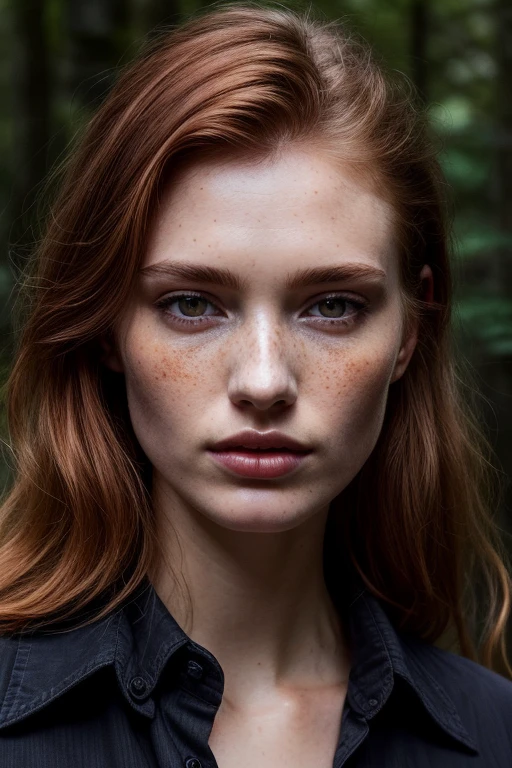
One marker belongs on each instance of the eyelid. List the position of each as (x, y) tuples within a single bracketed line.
[(343, 295), (168, 298), (346, 296), (360, 309)]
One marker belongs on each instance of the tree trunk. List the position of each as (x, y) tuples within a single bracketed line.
[(96, 34), (31, 115), (419, 42)]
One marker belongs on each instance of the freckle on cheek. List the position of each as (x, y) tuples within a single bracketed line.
[(174, 366)]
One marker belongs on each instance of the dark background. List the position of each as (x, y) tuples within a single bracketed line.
[(58, 59)]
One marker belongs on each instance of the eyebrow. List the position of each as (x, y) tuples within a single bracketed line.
[(202, 273)]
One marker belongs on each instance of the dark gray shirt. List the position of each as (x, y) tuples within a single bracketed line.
[(134, 691)]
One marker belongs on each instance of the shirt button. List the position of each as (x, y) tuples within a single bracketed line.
[(372, 702), (194, 670), (138, 687), (192, 762)]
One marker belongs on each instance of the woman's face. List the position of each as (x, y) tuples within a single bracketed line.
[(304, 338)]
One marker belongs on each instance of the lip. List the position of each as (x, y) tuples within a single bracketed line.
[(259, 464), (279, 454), (250, 438)]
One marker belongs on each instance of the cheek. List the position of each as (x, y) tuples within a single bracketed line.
[(353, 383), (353, 370), (162, 383)]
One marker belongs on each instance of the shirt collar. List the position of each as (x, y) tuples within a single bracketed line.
[(140, 637), (380, 655)]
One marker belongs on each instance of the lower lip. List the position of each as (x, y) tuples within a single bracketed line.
[(260, 465)]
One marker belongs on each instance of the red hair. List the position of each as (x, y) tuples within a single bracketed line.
[(77, 524)]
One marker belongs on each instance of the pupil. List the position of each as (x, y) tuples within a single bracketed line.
[(331, 306), (192, 303)]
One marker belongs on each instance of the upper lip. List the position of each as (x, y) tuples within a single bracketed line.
[(251, 439)]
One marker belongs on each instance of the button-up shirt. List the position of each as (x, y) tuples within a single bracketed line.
[(132, 690)]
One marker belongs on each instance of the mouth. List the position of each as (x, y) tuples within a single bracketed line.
[(246, 449), (252, 440), (259, 463)]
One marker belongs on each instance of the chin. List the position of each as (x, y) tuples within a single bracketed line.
[(256, 518)]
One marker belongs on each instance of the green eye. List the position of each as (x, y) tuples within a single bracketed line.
[(335, 307), (192, 306)]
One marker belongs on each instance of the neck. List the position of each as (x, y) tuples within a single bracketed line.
[(257, 601)]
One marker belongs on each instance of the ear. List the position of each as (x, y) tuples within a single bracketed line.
[(409, 343), (110, 357)]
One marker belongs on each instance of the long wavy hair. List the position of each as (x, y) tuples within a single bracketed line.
[(76, 526)]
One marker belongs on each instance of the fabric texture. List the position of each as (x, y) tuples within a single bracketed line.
[(134, 691)]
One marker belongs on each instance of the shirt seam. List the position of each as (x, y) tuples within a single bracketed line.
[(458, 725), (47, 696), (17, 693), (390, 684), (37, 704), (197, 696)]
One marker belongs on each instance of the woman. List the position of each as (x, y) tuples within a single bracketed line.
[(248, 497)]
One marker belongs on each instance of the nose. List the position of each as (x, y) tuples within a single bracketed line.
[(261, 376)]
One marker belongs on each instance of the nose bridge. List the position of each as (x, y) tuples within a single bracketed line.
[(261, 373)]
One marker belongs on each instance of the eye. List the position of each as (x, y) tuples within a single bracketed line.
[(195, 309), (191, 306), (333, 306), (186, 307), (334, 309)]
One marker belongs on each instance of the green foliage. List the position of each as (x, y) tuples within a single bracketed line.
[(480, 240), (488, 320)]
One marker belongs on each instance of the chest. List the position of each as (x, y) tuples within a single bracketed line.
[(302, 735)]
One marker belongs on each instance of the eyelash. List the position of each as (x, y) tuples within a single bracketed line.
[(360, 310)]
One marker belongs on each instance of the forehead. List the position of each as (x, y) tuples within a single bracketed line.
[(300, 208)]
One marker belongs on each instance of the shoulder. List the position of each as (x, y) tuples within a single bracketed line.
[(37, 668), (460, 673), (482, 698), (9, 650)]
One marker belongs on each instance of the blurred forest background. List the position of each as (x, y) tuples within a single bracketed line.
[(58, 59)]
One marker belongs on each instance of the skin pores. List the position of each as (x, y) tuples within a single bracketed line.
[(266, 356)]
